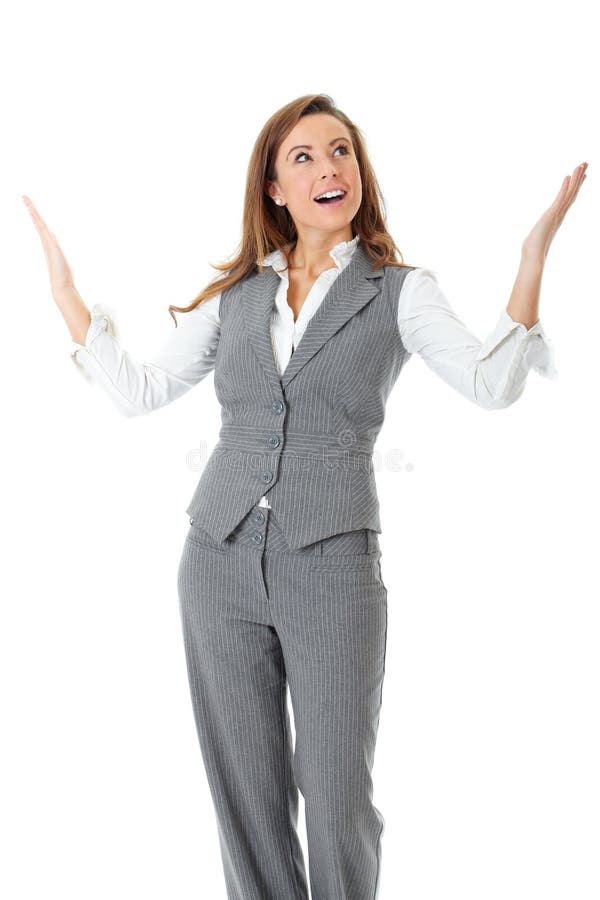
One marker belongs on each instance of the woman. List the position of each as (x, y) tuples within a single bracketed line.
[(280, 578)]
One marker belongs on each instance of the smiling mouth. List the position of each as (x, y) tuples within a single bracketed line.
[(332, 201)]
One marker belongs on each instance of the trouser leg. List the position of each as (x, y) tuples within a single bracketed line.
[(238, 685), (331, 617)]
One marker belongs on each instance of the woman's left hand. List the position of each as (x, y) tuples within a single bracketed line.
[(537, 243)]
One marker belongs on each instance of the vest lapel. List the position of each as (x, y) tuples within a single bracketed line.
[(258, 300), (356, 284)]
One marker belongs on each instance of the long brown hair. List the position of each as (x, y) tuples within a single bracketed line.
[(267, 227)]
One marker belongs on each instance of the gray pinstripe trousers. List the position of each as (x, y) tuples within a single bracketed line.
[(257, 617)]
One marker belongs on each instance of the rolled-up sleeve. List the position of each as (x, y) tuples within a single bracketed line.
[(491, 373), (136, 387)]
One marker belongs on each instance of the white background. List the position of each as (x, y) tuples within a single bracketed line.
[(130, 126)]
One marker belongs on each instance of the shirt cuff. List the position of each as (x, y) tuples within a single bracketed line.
[(102, 319), (537, 348)]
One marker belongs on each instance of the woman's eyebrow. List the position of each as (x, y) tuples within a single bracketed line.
[(308, 146)]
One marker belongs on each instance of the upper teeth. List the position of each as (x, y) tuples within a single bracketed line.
[(337, 193)]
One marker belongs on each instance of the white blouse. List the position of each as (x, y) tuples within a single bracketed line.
[(490, 373)]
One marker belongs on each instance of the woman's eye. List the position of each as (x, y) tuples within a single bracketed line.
[(339, 147)]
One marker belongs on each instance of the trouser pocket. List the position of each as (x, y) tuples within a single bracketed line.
[(201, 538), (362, 541)]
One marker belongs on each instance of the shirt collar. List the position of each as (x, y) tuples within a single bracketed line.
[(341, 254)]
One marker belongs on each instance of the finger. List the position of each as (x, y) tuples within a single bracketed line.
[(581, 175), (578, 176), (34, 213), (36, 217), (575, 183), (569, 189), (567, 197), (44, 231)]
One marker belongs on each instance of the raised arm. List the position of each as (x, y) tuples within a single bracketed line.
[(136, 387), (490, 373)]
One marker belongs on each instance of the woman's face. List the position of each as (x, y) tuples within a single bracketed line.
[(317, 156)]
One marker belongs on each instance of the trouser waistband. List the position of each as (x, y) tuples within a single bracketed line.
[(260, 530)]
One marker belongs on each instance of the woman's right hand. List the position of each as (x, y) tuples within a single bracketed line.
[(61, 277), (74, 311)]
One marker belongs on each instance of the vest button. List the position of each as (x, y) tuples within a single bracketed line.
[(258, 517), (273, 440), (277, 406), (257, 537), (266, 477)]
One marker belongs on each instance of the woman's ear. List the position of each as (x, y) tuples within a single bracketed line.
[(272, 189)]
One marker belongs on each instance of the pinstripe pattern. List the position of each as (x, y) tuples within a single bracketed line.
[(256, 616), (293, 595), (304, 438)]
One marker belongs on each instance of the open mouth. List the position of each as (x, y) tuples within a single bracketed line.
[(336, 200)]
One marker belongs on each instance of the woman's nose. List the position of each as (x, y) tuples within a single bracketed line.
[(328, 169)]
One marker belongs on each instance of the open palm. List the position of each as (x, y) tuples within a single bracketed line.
[(537, 242), (59, 270)]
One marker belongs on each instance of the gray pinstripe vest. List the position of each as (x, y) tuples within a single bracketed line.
[(304, 439)]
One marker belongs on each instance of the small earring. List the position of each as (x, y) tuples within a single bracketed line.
[(279, 201)]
